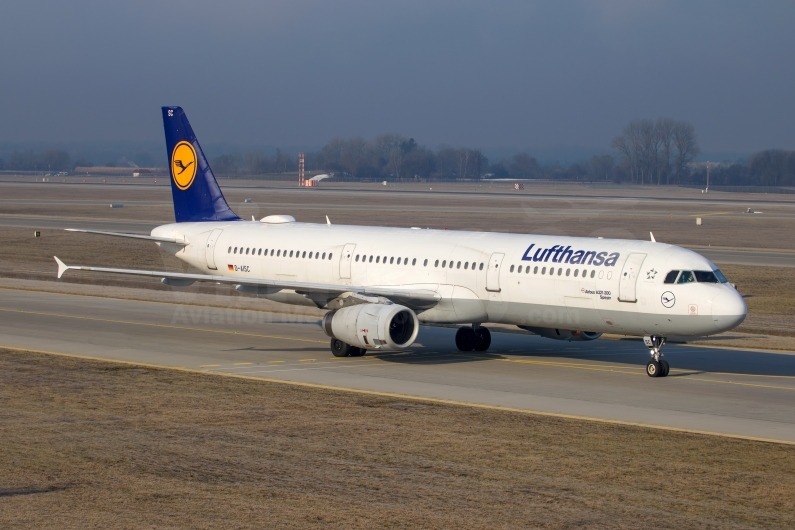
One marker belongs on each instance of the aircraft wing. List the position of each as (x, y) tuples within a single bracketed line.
[(413, 298), (134, 236)]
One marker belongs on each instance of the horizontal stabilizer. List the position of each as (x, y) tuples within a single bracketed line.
[(62, 267), (133, 236)]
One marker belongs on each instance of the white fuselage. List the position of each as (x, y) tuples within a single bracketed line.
[(570, 283)]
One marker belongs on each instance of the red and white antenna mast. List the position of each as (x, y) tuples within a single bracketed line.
[(301, 180)]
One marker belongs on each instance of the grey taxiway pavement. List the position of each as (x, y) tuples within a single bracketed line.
[(734, 392)]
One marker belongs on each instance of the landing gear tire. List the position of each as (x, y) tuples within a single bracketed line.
[(653, 369), (665, 368), (341, 349), (656, 367), (482, 339), (465, 339)]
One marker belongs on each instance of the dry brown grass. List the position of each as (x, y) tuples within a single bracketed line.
[(94, 444)]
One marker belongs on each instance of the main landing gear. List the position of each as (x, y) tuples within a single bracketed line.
[(342, 349), (656, 367), (475, 338)]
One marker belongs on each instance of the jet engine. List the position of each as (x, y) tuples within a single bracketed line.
[(380, 326), (562, 334)]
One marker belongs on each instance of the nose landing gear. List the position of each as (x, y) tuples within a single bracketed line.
[(656, 367)]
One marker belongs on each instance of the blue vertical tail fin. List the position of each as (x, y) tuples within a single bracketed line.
[(194, 189)]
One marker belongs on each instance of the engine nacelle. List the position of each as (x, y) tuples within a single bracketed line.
[(380, 326), (562, 334)]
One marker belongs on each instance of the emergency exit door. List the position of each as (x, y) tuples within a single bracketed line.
[(629, 278), (493, 274), (345, 260), (209, 251)]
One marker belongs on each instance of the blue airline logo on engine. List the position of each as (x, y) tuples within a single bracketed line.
[(561, 254)]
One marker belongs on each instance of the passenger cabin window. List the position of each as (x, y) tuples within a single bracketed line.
[(229, 251), (329, 255), (511, 268), (413, 262), (481, 267), (324, 255)]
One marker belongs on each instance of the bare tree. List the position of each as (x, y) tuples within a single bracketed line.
[(684, 139), (665, 134), (648, 148)]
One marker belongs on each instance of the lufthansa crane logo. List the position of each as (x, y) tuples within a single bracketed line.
[(183, 165), (668, 299)]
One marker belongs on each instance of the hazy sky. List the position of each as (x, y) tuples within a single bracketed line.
[(483, 74)]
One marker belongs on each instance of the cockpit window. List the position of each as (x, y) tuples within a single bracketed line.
[(719, 275), (705, 277), (686, 277), (671, 277)]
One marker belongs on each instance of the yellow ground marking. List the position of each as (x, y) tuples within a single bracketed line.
[(581, 366), (739, 383), (708, 214), (208, 365), (305, 360), (408, 396), (166, 326), (634, 370), (240, 364), (44, 291), (737, 348), (271, 362)]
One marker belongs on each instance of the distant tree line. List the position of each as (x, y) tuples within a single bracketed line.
[(772, 167), (388, 157), (46, 160), (658, 152)]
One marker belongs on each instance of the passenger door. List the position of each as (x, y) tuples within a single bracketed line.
[(345, 260), (629, 278), (209, 251), (493, 274)]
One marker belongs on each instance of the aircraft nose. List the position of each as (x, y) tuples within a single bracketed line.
[(728, 309)]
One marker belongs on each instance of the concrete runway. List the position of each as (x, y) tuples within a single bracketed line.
[(563, 190), (719, 256), (734, 392)]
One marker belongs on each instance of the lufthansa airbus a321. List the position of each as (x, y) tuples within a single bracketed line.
[(379, 283)]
